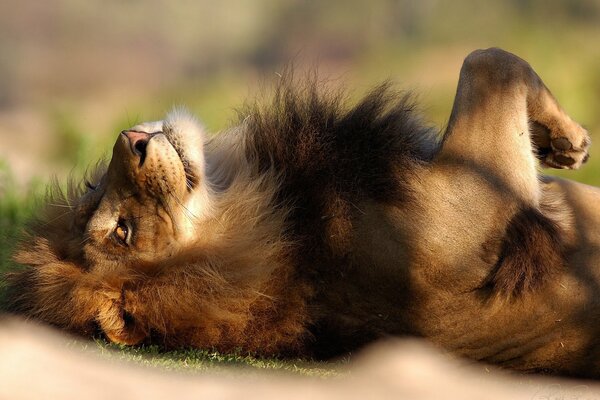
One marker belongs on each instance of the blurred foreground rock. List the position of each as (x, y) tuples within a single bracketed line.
[(36, 364)]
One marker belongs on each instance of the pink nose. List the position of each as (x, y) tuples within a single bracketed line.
[(138, 141)]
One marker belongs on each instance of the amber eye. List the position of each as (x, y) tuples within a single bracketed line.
[(122, 232)]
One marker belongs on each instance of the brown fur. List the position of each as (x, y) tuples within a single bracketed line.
[(224, 289), (531, 249), (314, 227)]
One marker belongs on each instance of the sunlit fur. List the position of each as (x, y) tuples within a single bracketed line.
[(315, 226), (274, 207), (243, 279), (220, 290)]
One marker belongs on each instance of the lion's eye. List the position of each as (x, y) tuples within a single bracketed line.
[(122, 232)]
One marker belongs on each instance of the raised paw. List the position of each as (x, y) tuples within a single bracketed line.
[(565, 146)]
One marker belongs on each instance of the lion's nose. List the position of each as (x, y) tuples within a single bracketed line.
[(138, 142)]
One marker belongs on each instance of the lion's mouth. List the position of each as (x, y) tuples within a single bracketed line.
[(138, 141)]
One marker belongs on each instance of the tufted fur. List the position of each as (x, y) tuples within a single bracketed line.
[(314, 226)]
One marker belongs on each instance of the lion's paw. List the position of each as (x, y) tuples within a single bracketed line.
[(567, 147)]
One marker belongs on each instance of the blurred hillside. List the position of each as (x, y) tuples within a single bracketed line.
[(74, 73)]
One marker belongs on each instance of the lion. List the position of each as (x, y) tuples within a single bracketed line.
[(312, 228)]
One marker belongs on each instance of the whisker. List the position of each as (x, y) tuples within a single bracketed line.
[(62, 205), (191, 216), (85, 240), (55, 219)]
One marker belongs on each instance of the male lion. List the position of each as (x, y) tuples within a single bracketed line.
[(312, 229)]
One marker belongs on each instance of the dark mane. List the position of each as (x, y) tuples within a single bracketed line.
[(60, 221), (331, 155), (312, 136)]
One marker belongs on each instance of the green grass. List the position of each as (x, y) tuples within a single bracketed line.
[(202, 360), (16, 207)]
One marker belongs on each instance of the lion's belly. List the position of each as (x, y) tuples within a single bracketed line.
[(417, 273), (584, 204)]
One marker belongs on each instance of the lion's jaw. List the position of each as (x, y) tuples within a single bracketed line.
[(186, 137)]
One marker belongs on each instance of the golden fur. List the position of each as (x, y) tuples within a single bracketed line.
[(313, 228)]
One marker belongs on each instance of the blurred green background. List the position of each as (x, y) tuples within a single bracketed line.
[(75, 73)]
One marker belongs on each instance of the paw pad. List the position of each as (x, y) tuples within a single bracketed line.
[(562, 144), (567, 150)]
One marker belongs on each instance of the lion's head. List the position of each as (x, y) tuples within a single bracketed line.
[(153, 248), (144, 207)]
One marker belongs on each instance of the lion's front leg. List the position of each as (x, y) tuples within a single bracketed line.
[(486, 177), (502, 119), (560, 141)]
